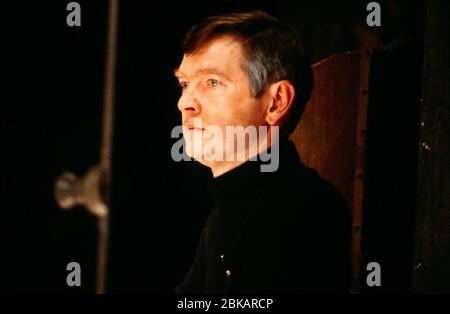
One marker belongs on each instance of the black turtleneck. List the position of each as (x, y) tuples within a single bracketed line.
[(286, 231)]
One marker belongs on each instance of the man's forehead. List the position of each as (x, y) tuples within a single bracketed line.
[(217, 55)]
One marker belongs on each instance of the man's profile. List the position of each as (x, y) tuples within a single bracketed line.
[(279, 231)]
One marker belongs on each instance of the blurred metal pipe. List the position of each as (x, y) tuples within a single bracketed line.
[(93, 189)]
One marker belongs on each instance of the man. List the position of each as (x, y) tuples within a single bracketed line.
[(282, 230)]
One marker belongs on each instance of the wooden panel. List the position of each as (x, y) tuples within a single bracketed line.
[(331, 136), (325, 137)]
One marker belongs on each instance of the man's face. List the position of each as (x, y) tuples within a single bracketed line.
[(216, 90)]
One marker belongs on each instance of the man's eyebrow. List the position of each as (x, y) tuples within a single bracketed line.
[(177, 72), (207, 70)]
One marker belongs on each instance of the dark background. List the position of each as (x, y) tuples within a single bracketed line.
[(51, 118)]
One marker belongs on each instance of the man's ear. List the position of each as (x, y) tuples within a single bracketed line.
[(282, 95)]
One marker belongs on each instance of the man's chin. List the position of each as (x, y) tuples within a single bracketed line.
[(194, 152), (201, 157), (204, 157)]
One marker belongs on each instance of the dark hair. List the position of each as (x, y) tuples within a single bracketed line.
[(272, 52)]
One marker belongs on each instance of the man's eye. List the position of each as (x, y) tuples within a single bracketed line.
[(213, 82), (184, 85)]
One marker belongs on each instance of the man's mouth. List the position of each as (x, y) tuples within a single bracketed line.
[(191, 127), (194, 125)]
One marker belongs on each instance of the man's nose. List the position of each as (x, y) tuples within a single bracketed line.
[(189, 103)]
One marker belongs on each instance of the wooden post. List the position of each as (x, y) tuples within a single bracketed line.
[(432, 235), (358, 183)]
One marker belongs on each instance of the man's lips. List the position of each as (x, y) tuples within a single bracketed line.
[(192, 128)]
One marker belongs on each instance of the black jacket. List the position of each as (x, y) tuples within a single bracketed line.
[(286, 231)]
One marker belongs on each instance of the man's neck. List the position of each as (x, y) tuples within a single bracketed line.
[(221, 167)]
